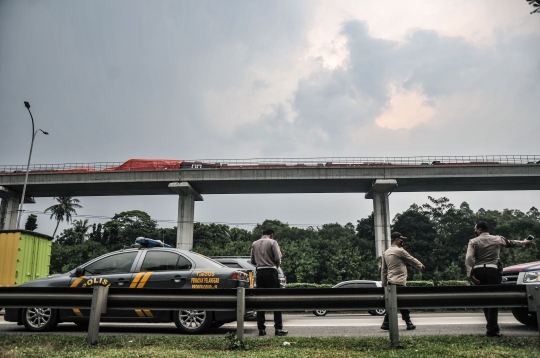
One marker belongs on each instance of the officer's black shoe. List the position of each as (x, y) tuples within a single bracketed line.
[(262, 332), (410, 325), (493, 334), (281, 332), (385, 326)]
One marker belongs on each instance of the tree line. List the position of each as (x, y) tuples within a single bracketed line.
[(437, 231)]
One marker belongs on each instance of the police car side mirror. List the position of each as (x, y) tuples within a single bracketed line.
[(79, 271)]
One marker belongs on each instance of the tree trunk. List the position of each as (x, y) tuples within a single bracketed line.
[(56, 228)]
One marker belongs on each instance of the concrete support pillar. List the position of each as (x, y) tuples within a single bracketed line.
[(186, 213), (381, 211), (382, 222), (9, 209)]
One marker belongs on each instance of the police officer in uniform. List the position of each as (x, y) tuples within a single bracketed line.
[(482, 266), (394, 272), (266, 256)]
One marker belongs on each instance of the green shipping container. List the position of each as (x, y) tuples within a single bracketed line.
[(24, 256)]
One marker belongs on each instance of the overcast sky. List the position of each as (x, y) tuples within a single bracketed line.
[(115, 80)]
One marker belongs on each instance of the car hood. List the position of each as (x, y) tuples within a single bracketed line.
[(530, 266), (46, 281)]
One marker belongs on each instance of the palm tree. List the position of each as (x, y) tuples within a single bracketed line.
[(80, 228), (64, 209)]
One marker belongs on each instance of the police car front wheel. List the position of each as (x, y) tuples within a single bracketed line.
[(378, 312), (192, 321), (39, 319), (320, 312)]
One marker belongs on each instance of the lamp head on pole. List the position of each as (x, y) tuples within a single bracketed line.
[(27, 105), (47, 133)]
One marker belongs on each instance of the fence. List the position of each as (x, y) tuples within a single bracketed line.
[(284, 162), (392, 298)]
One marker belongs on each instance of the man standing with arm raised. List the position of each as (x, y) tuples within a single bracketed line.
[(266, 256), (394, 272), (482, 266)]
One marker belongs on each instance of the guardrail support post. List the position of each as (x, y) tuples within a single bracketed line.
[(99, 306), (240, 312), (533, 294), (390, 299)]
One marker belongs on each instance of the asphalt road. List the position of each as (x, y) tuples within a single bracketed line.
[(308, 325)]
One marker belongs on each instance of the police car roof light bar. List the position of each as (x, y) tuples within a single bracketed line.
[(146, 242)]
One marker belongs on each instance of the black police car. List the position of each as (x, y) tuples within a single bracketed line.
[(138, 268)]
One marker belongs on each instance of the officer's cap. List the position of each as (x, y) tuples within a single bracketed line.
[(397, 235)]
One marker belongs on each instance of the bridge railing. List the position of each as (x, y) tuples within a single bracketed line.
[(391, 298), (279, 162)]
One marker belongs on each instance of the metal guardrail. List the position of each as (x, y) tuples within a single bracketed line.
[(392, 298), (286, 162)]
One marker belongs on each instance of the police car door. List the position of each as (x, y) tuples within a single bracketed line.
[(161, 269), (113, 271)]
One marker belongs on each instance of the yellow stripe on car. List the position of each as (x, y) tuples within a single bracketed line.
[(77, 281), (136, 280), (144, 279), (144, 313)]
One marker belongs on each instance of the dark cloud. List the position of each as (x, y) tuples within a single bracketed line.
[(113, 81), (495, 86), (441, 65), (372, 61), (272, 134)]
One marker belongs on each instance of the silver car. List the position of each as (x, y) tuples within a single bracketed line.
[(244, 262), (356, 284)]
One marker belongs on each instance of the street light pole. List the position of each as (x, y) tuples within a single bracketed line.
[(34, 133)]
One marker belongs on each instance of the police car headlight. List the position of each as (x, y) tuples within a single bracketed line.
[(533, 276)]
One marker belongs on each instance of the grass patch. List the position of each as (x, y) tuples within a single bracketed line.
[(52, 346)]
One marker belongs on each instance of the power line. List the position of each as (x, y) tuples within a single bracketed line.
[(102, 217)]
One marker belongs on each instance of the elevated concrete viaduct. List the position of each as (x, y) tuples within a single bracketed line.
[(377, 181)]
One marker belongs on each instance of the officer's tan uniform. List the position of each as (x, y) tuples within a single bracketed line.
[(394, 272), (393, 268), (481, 262), (485, 250)]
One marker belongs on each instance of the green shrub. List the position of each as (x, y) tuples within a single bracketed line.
[(409, 284), (419, 283), (454, 283), (440, 283), (308, 285)]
